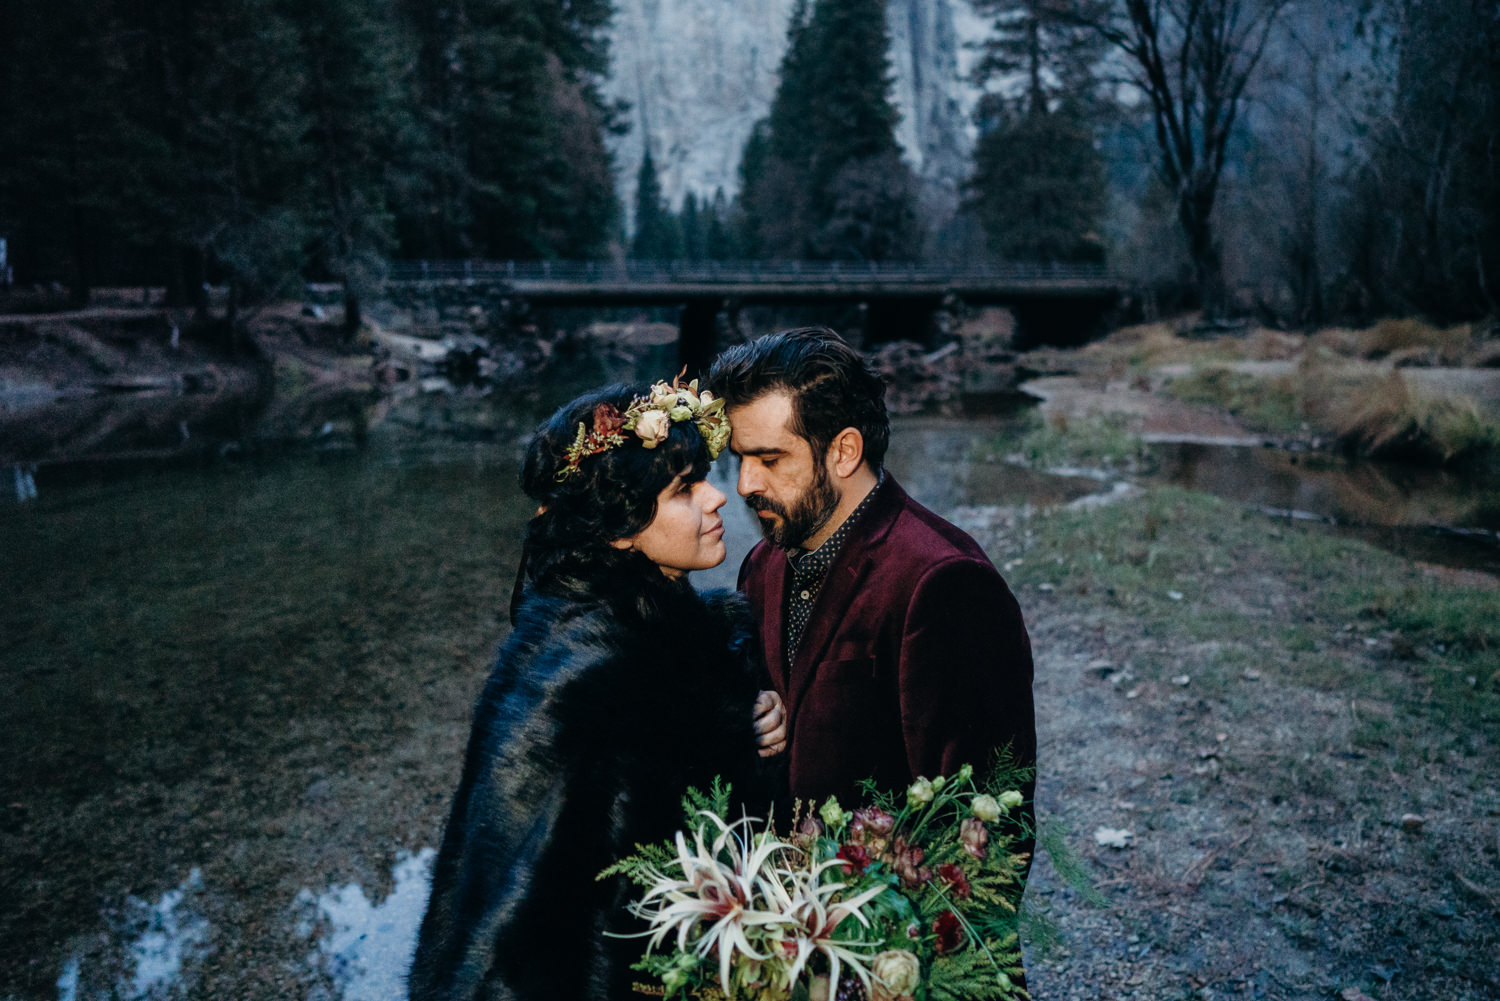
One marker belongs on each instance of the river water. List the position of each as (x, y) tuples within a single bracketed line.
[(237, 690)]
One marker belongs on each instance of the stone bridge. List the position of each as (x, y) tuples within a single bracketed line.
[(1053, 303)]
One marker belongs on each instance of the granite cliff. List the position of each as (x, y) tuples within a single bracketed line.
[(698, 74)]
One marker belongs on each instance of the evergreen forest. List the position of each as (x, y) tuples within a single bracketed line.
[(1317, 162)]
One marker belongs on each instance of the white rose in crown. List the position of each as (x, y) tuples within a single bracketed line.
[(652, 427)]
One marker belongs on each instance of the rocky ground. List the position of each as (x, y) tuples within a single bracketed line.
[(1276, 790)]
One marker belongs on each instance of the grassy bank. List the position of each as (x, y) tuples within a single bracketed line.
[(1363, 390), (1176, 563), (1301, 734)]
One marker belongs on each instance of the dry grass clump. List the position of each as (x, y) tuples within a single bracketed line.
[(1262, 344), (1388, 419), (1325, 383), (1403, 342), (1340, 342), (1148, 345), (1393, 337), (1485, 355)]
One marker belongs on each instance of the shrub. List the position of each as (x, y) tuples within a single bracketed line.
[(1388, 419)]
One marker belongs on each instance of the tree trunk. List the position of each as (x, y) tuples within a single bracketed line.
[(1310, 306), (202, 308), (1195, 211), (352, 318)]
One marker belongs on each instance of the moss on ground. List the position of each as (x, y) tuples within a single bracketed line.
[(1169, 558)]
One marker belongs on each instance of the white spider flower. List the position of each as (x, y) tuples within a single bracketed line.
[(724, 885), (817, 912), (754, 904)]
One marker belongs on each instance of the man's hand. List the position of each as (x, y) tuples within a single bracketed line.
[(770, 724)]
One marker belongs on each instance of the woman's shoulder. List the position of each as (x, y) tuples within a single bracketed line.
[(729, 611), (557, 635), (559, 641), (727, 603)]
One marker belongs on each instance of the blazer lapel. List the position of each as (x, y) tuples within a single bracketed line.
[(773, 640), (841, 585)]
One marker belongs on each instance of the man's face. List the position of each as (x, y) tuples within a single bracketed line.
[(781, 480)]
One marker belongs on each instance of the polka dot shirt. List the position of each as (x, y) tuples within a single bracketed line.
[(809, 569)]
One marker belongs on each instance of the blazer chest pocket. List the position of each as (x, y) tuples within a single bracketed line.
[(850, 670)]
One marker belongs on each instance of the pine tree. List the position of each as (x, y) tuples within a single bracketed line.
[(822, 176), (1039, 187), (359, 105), (209, 170), (509, 92), (775, 213), (718, 237), (656, 235), (72, 165), (245, 206), (691, 225)]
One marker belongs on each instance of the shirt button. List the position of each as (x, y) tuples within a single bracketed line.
[(806, 595)]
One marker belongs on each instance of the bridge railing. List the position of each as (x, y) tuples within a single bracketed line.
[(743, 272)]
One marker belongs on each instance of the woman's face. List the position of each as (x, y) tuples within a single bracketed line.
[(687, 532)]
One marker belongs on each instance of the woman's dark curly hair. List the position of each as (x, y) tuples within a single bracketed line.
[(609, 496)]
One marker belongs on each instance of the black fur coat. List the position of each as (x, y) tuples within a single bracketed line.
[(606, 701)]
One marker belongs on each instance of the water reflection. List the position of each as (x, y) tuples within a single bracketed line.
[(1420, 512), (25, 477), (363, 947), (151, 951)]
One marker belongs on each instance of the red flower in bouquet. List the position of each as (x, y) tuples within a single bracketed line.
[(949, 932), (951, 874), (906, 860), (607, 419), (856, 858)]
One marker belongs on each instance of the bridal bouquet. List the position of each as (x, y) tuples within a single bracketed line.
[(909, 899)]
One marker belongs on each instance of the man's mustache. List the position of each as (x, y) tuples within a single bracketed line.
[(756, 502)]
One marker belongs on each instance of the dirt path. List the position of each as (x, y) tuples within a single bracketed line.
[(1152, 416)]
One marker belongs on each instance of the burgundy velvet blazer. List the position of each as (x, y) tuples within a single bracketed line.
[(915, 659)]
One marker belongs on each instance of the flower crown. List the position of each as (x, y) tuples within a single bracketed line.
[(651, 418)]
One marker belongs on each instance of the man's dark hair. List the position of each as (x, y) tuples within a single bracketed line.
[(831, 385)]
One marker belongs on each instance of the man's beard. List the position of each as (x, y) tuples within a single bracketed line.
[(802, 519)]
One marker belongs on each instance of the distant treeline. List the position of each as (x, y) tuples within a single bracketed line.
[(1308, 161), (257, 142)]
